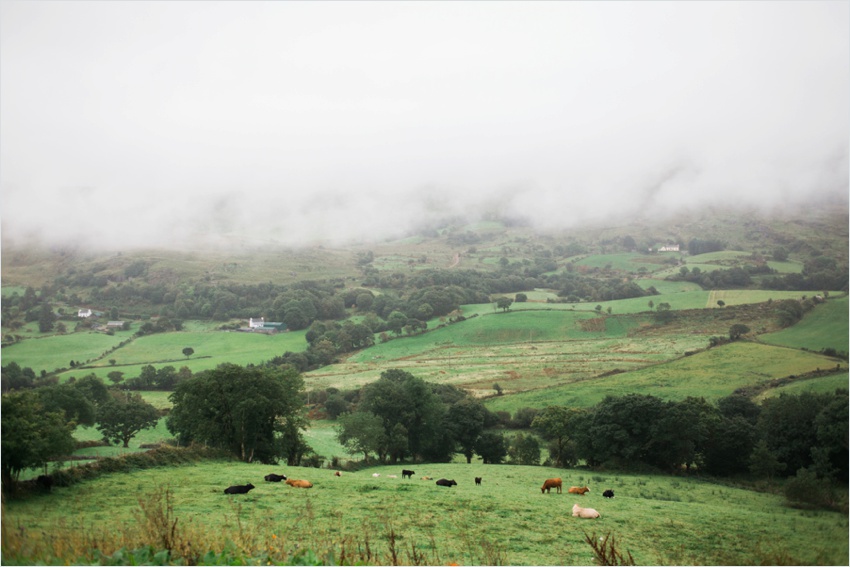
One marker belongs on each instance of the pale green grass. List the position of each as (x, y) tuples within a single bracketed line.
[(820, 385), (211, 349), (659, 519), (786, 267), (826, 326), (711, 374), (50, 353)]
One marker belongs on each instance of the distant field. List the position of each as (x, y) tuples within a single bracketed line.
[(52, 352), (825, 327), (820, 385), (211, 349), (659, 519), (711, 374)]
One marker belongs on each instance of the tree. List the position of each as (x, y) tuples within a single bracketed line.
[(491, 447), (738, 330), (38, 435), (240, 409), (399, 397), (46, 318), (124, 416), (362, 432), (188, 351), (521, 298), (524, 450), (466, 419), (558, 423), (68, 401), (116, 377), (763, 462), (504, 303)]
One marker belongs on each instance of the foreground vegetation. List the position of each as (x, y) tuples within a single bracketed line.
[(506, 520)]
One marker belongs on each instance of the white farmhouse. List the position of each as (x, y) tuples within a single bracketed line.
[(84, 313), (255, 323)]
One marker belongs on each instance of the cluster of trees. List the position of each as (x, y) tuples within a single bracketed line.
[(255, 413), (401, 417), (735, 436), (38, 423)]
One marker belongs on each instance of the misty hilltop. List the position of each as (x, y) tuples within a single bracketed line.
[(297, 123)]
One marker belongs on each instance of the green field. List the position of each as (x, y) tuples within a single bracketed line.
[(711, 374), (57, 351), (659, 519), (825, 327)]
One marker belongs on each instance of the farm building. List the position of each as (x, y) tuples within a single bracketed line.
[(256, 323), (84, 313), (115, 324), (666, 248)]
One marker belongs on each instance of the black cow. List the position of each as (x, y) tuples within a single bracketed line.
[(608, 493), (444, 482), (477, 481), (44, 482), (275, 477), (407, 474), (238, 489)]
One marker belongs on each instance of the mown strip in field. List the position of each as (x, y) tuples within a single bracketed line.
[(711, 374)]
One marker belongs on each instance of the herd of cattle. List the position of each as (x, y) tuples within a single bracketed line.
[(548, 485)]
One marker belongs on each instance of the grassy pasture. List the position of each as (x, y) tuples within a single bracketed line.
[(660, 520), (819, 385), (711, 374), (57, 351), (211, 349), (826, 326)]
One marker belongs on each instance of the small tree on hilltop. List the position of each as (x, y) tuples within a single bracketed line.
[(188, 351)]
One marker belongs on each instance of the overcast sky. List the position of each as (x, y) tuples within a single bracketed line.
[(152, 123)]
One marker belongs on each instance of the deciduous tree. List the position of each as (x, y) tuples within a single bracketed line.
[(124, 416)]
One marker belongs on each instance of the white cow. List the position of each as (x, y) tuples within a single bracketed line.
[(580, 512)]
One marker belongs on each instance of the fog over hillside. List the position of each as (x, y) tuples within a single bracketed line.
[(162, 123)]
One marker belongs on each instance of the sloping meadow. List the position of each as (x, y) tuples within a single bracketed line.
[(505, 520)]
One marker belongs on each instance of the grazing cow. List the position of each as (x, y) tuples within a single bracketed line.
[(299, 483), (427, 478), (337, 473), (44, 482), (580, 512), (444, 482), (407, 474), (580, 490), (375, 475), (477, 481), (274, 477), (238, 489), (608, 493), (551, 483)]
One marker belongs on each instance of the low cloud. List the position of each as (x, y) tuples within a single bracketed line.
[(169, 124)]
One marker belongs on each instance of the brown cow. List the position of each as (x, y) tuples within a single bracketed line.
[(578, 490), (550, 484), (299, 483)]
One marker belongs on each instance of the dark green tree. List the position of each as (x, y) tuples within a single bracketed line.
[(491, 447), (240, 409), (46, 318), (124, 416), (504, 303), (738, 330), (399, 397), (362, 432), (524, 450), (39, 435), (188, 351), (559, 424), (466, 419), (69, 401)]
